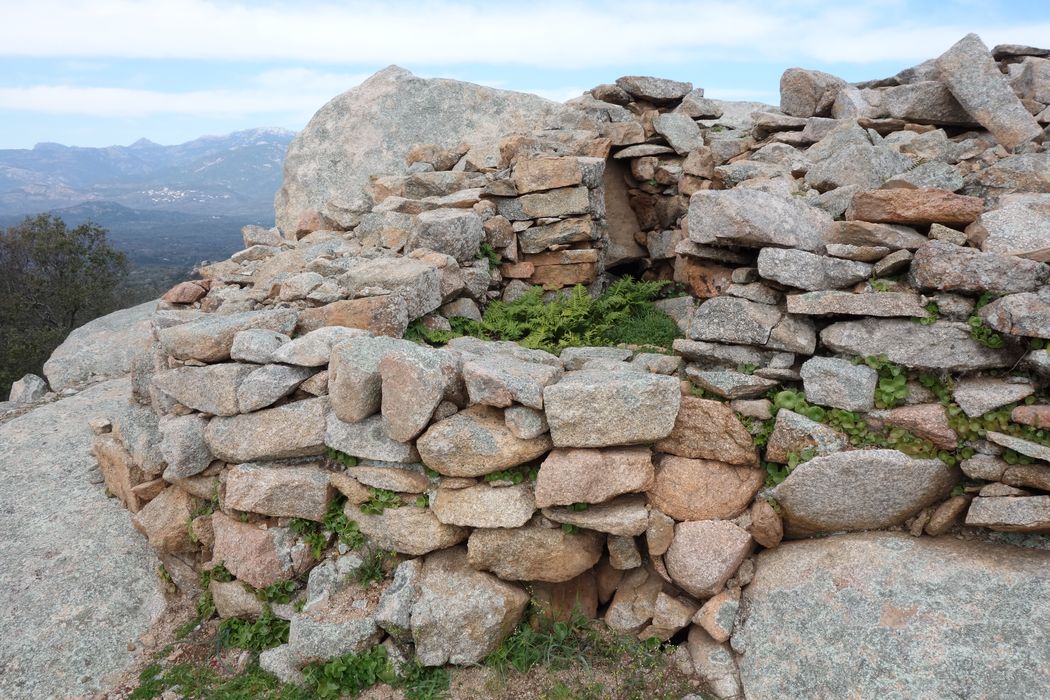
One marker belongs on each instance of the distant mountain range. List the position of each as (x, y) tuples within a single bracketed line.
[(168, 206)]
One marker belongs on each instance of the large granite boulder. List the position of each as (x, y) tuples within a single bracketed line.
[(101, 349), (370, 129), (886, 615)]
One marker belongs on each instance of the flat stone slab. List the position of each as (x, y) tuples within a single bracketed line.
[(78, 583), (886, 615)]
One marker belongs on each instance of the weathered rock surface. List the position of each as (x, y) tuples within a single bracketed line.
[(706, 429), (461, 615), (860, 490), (257, 556), (485, 506), (1019, 314), (704, 555), (100, 591), (367, 440), (1013, 514), (797, 268), (973, 77), (475, 442), (596, 409), (888, 615), (101, 349), (700, 489), (978, 395), (332, 158), (919, 207), (951, 268), (408, 529), (293, 430), (942, 345), (832, 303), (625, 515), (793, 432), (293, 492), (832, 381), (534, 553), (1021, 229), (209, 389), (756, 219), (731, 320), (210, 339), (570, 476)]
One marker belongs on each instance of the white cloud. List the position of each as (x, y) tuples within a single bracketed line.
[(297, 93), (449, 32)]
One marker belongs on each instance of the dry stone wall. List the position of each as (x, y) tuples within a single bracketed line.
[(865, 308)]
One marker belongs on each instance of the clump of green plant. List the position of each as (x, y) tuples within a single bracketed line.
[(760, 429), (795, 400), (345, 529), (979, 330), (200, 682), (380, 500), (263, 633), (881, 285), (486, 251), (312, 535), (340, 457), (623, 314), (515, 475), (933, 312), (569, 528), (373, 567), (350, 674), (279, 592), (892, 387), (746, 368)]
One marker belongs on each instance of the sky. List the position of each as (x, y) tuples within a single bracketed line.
[(109, 72)]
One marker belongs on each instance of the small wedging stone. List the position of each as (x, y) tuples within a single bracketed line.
[(831, 381), (476, 441), (534, 553), (860, 490), (461, 615), (704, 555), (625, 515), (210, 339), (295, 429), (754, 218), (599, 409), (942, 345), (883, 614)]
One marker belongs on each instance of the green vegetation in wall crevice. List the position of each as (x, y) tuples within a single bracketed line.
[(624, 314)]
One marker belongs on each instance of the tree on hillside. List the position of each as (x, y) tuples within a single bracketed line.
[(52, 280)]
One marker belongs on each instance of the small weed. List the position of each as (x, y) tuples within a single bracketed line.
[(515, 475), (880, 285), (200, 682), (979, 330), (569, 529), (578, 507), (892, 387), (280, 592), (420, 682), (345, 529), (485, 250), (312, 535), (380, 500), (340, 457), (746, 368), (422, 501), (350, 674), (254, 635), (372, 569), (933, 312)]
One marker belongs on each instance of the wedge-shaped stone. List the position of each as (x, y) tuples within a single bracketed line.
[(409, 529), (485, 506), (367, 440), (756, 219), (534, 553), (1020, 445), (498, 380), (461, 615), (700, 489), (624, 515), (795, 433), (183, 447), (918, 207), (401, 478), (342, 625), (209, 339), (295, 429), (211, 389), (978, 395), (417, 283), (952, 268), (537, 239), (733, 320), (881, 304), (354, 381), (797, 268), (415, 379), (832, 381), (928, 421), (865, 233), (975, 80), (704, 555), (265, 385), (860, 490), (1013, 514), (599, 409), (475, 442), (163, 520), (570, 476), (942, 345), (315, 348), (386, 314), (292, 492), (1021, 229), (706, 429), (455, 232), (1019, 314), (730, 384), (259, 557)]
